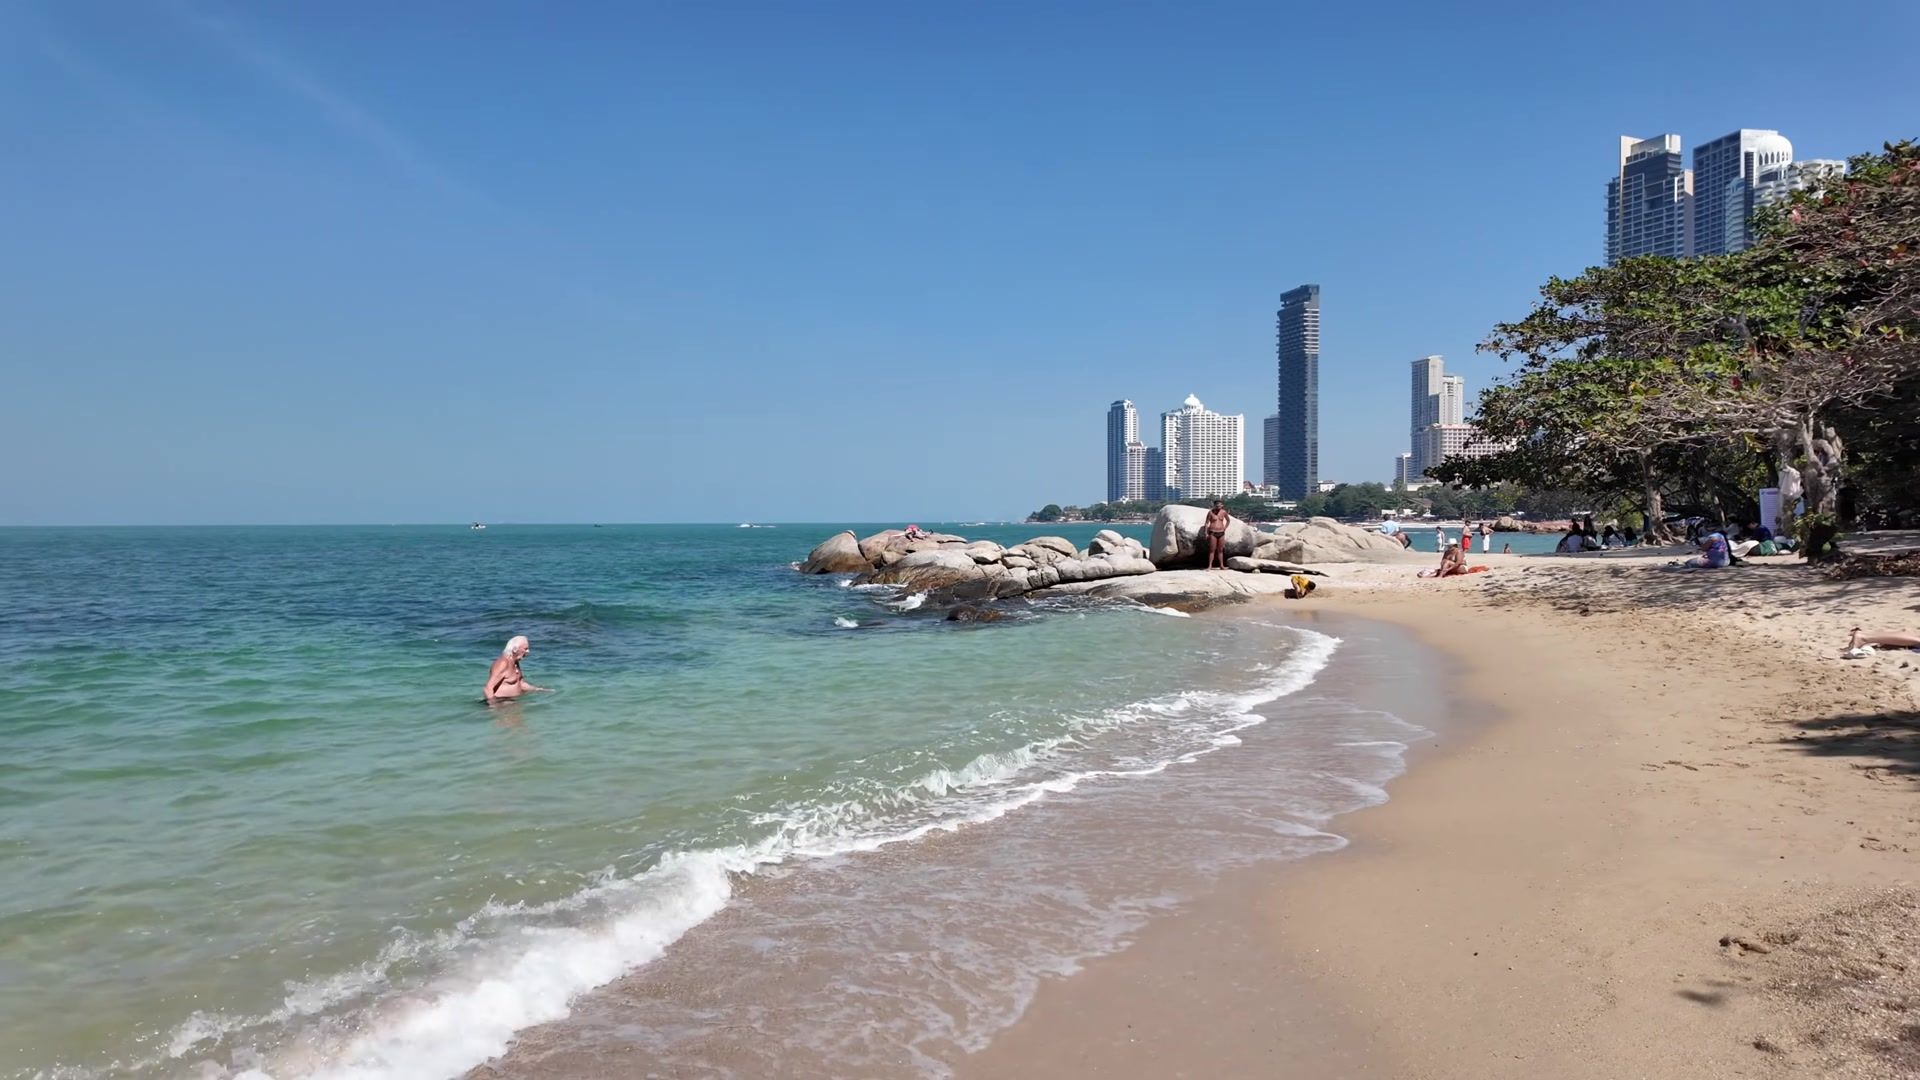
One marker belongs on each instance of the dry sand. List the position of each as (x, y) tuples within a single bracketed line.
[(1667, 840)]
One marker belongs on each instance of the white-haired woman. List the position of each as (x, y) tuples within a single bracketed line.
[(504, 681)]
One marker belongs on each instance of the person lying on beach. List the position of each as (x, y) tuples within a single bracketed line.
[(504, 681), (1860, 646)]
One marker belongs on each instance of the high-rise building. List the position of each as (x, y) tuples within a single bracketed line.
[(1270, 452), (1442, 441), (1778, 182), (1438, 398), (1297, 327), (1156, 478), (1205, 452), (1135, 486), (1649, 200), (1724, 173), (1123, 429), (1403, 474), (1428, 371)]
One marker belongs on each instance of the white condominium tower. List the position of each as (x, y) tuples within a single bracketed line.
[(1438, 398), (1205, 452), (1725, 172), (1123, 430)]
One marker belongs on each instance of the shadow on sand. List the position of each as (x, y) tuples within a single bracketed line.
[(1887, 741)]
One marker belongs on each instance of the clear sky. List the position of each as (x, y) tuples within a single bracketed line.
[(375, 262)]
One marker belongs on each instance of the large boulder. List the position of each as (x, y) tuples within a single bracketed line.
[(1185, 590), (1044, 556), (1177, 541), (1324, 540), (984, 551), (1058, 544), (840, 554), (1108, 542), (1247, 565), (1278, 548)]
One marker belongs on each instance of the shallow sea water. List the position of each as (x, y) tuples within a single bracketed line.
[(256, 821)]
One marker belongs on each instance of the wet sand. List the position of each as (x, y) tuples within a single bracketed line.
[(1547, 892)]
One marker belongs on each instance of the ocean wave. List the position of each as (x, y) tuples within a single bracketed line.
[(508, 967), (844, 623)]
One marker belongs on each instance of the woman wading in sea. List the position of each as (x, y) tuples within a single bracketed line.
[(504, 681)]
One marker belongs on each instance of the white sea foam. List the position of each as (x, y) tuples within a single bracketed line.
[(844, 623), (502, 983), (909, 602)]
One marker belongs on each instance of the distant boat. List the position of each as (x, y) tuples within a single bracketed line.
[(476, 525), (751, 525)]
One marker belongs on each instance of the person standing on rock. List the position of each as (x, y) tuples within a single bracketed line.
[(1217, 519)]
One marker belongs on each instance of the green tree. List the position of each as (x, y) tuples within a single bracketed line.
[(1049, 512)]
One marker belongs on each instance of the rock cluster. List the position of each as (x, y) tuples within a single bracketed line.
[(955, 569)]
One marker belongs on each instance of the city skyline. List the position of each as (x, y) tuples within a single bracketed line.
[(266, 272)]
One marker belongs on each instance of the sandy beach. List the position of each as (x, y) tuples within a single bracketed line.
[(1668, 837)]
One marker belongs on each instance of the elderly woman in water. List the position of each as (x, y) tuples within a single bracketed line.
[(504, 681)]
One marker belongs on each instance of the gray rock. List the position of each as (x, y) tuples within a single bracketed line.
[(1013, 561), (1186, 590), (1281, 548), (1059, 544), (1177, 541), (1043, 556), (1247, 565), (840, 554), (1324, 540), (985, 551)]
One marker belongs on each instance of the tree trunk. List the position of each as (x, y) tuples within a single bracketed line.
[(1824, 455), (1656, 511)]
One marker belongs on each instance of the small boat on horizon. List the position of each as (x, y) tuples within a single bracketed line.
[(751, 525), (476, 525)]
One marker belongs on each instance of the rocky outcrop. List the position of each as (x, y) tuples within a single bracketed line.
[(1324, 540), (839, 555), (1108, 542), (1183, 590), (952, 570), (1249, 565), (1177, 541)]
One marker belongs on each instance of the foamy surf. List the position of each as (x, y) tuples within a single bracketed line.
[(523, 975)]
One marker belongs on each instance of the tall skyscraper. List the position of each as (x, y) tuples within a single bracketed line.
[(1136, 485), (1428, 371), (1156, 469), (1123, 428), (1725, 171), (1438, 398), (1205, 451), (1453, 400), (1403, 474), (1649, 200), (1270, 451), (1297, 327)]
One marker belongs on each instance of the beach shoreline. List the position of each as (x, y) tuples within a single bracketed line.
[(1546, 890)]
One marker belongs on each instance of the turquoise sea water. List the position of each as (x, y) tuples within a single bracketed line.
[(255, 820)]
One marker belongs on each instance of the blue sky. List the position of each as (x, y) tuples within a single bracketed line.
[(356, 262)]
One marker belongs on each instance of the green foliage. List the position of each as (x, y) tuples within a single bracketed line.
[(1049, 512)]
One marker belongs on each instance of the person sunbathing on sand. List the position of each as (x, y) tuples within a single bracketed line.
[(1861, 645), (1453, 562), (504, 681)]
